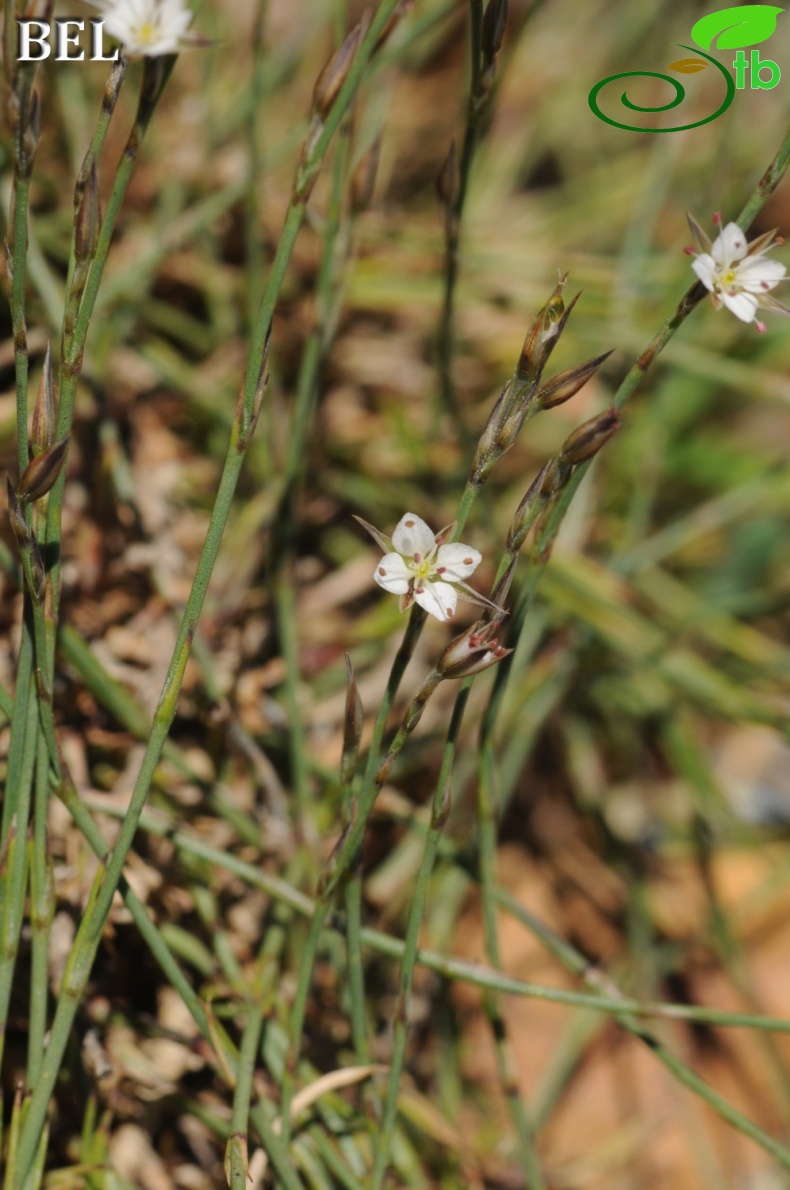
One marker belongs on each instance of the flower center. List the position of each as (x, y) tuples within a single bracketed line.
[(423, 568), (147, 32), (729, 277)]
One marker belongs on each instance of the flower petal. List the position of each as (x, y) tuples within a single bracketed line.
[(438, 599), (730, 246), (760, 273), (393, 574), (412, 536), (456, 561), (742, 305), (705, 268)]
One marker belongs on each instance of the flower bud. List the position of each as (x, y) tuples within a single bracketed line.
[(493, 32), (334, 74), (542, 336), (88, 218), (551, 477), (38, 568), (41, 473), (472, 651), (42, 430), (363, 179), (17, 518), (566, 384), (448, 179), (589, 438)]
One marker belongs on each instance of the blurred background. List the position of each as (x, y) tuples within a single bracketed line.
[(642, 751)]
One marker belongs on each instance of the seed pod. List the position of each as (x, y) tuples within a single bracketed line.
[(17, 518), (335, 73), (41, 473), (42, 431), (589, 438), (566, 384)]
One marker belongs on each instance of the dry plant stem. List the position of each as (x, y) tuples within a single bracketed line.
[(454, 215), (284, 529), (594, 978), (107, 879)]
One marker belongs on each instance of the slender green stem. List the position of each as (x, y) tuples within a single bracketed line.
[(454, 214), (439, 810), (108, 879), (15, 875), (42, 911), (595, 978)]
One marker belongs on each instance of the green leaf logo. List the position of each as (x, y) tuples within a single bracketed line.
[(746, 24), (687, 65)]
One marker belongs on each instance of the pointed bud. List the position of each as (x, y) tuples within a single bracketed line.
[(546, 484), (30, 135), (42, 431), (448, 179), (589, 438), (335, 73), (352, 731), (542, 336), (363, 179), (88, 218), (566, 384), (41, 473), (472, 651), (38, 568), (17, 518), (494, 25)]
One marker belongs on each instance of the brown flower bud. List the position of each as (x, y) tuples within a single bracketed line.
[(472, 651), (566, 384), (17, 517), (551, 477), (542, 336), (335, 73), (363, 178), (42, 431), (88, 218), (494, 25), (589, 438), (448, 179), (41, 473)]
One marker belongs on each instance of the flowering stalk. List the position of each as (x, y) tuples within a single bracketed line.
[(486, 33), (245, 418)]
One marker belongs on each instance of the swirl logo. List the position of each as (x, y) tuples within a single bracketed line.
[(729, 28)]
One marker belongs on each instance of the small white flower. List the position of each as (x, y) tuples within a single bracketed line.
[(146, 28), (738, 275), (421, 569)]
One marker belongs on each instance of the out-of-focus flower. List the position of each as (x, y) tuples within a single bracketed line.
[(421, 569), (147, 28), (737, 274)]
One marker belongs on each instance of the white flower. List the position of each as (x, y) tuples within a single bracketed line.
[(738, 274), (146, 28), (419, 568)]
